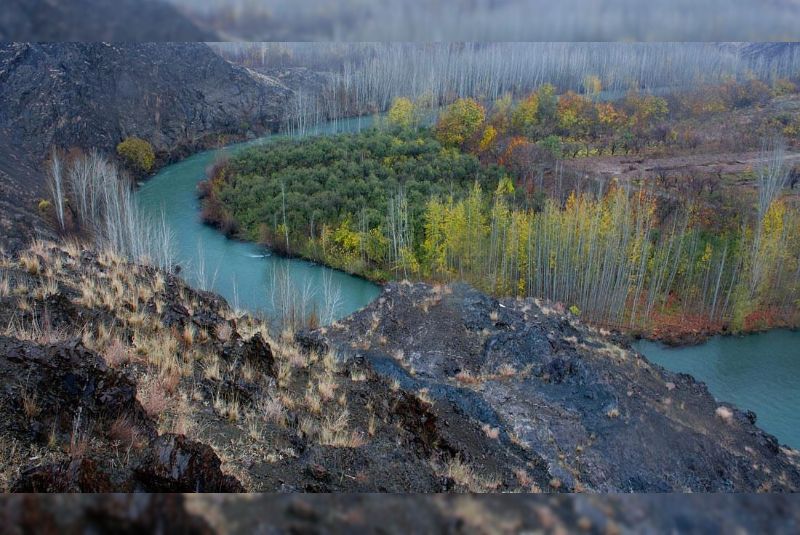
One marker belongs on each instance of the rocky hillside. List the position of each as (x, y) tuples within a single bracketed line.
[(96, 94), (178, 96), (120, 377), (578, 409)]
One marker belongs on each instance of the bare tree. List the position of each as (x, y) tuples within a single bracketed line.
[(57, 187), (108, 212), (773, 174)]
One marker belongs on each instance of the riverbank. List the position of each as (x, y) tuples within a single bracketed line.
[(237, 269), (757, 371), (672, 332)]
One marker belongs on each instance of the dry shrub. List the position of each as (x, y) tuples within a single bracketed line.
[(124, 431), (224, 331), (272, 410), (152, 397), (116, 353)]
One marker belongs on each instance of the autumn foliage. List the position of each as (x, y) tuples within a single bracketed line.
[(138, 154), (460, 122)]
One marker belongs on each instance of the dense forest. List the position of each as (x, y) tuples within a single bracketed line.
[(483, 196)]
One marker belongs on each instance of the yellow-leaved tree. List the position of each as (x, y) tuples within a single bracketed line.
[(138, 154), (460, 122), (402, 113)]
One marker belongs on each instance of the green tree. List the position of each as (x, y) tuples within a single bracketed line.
[(548, 102), (526, 114)]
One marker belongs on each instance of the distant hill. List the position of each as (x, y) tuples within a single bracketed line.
[(96, 20)]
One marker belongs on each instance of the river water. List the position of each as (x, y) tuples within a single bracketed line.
[(244, 273), (759, 372)]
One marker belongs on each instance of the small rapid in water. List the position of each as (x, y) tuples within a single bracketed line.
[(247, 274)]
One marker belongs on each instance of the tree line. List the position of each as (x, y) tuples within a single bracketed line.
[(364, 78)]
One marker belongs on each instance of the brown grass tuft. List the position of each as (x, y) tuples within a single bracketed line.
[(30, 262), (465, 377)]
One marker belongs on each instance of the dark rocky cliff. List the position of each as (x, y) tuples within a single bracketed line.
[(95, 94), (593, 413), (178, 96)]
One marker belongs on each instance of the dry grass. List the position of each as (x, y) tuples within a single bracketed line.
[(312, 400), (40, 332), (333, 432), (724, 413), (125, 432), (424, 396), (29, 403), (159, 283), (329, 362), (358, 375), (78, 439), (187, 335), (523, 478), (249, 372), (506, 370), (465, 377), (116, 353), (284, 374), (308, 427), (159, 349), (97, 294), (184, 423), (72, 248), (228, 408), (491, 432), (29, 262), (212, 371), (273, 411), (223, 332), (327, 387), (254, 424), (465, 476)]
